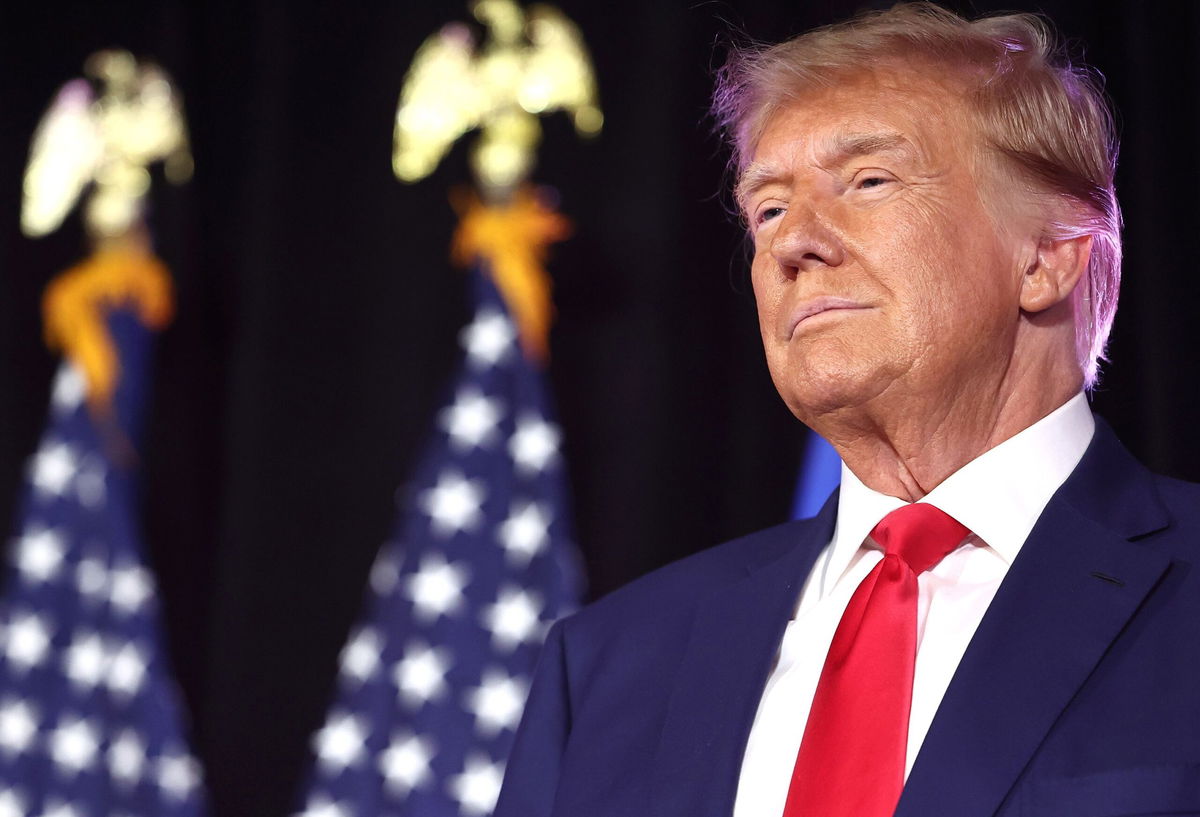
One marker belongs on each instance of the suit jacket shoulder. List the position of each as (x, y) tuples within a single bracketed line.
[(1077, 693), (1181, 498), (682, 585), (663, 672)]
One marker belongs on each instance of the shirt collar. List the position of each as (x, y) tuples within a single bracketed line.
[(999, 495)]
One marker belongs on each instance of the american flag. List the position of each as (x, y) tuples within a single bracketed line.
[(432, 683), (90, 722)]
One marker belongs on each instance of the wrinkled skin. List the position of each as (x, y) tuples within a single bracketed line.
[(936, 319)]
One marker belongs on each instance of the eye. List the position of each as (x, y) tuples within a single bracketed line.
[(766, 214), (873, 181)]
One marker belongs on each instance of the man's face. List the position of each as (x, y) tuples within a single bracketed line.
[(878, 271)]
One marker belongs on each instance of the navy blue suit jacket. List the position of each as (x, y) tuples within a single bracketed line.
[(1078, 695)]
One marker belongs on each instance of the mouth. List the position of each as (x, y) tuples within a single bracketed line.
[(806, 311)]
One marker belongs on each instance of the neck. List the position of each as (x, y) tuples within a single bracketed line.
[(906, 445)]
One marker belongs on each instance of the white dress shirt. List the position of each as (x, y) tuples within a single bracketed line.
[(998, 496)]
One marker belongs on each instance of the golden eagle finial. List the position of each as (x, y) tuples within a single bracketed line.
[(531, 63), (103, 131), (106, 139)]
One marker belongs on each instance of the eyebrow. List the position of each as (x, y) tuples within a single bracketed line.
[(836, 150), (852, 145)]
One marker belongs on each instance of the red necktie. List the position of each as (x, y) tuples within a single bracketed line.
[(851, 760)]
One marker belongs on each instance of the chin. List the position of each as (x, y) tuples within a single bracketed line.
[(811, 391)]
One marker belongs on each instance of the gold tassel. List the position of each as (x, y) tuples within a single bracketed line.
[(119, 273), (512, 240)]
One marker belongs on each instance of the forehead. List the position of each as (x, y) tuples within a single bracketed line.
[(907, 112)]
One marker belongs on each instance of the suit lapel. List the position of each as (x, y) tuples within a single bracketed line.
[(1072, 589), (732, 646)]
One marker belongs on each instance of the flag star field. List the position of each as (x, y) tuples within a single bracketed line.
[(90, 722), (433, 680)]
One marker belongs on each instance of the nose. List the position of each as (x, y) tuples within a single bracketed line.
[(803, 241)]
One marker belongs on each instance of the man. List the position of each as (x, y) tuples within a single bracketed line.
[(998, 613)]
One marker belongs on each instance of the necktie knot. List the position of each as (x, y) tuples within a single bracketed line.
[(920, 534)]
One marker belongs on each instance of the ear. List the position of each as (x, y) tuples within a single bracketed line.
[(1056, 269)]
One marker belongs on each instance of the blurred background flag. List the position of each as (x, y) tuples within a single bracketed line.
[(90, 722), (820, 474), (432, 683)]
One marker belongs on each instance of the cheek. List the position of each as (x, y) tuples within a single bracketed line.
[(944, 264), (767, 293), (959, 310)]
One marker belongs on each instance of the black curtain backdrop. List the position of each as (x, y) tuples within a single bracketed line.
[(317, 313)]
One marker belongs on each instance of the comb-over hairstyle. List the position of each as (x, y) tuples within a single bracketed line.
[(1045, 117)]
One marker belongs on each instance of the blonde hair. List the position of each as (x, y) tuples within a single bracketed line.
[(1046, 117)]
